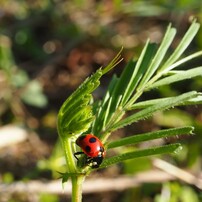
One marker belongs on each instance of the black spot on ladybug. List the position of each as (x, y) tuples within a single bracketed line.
[(87, 149), (92, 140), (80, 139)]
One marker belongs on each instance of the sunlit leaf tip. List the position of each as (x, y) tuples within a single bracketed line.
[(117, 59)]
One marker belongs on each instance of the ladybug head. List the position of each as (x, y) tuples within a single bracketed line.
[(96, 161)]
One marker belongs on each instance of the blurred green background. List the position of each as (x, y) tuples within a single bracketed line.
[(48, 47)]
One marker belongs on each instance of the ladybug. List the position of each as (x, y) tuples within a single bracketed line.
[(93, 148)]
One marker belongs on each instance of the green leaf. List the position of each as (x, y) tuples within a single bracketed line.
[(69, 120), (103, 112), (88, 86), (134, 73), (117, 59), (150, 110), (167, 40), (78, 108), (171, 61), (150, 136), (195, 101), (184, 43), (75, 115), (182, 75), (141, 153), (65, 176), (145, 104), (181, 61), (79, 121), (148, 103), (121, 89)]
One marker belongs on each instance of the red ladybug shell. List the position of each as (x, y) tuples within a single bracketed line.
[(91, 145)]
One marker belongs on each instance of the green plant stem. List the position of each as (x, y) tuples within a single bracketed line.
[(77, 182), (138, 93), (67, 145), (77, 179)]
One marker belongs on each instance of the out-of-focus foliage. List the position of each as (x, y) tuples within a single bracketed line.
[(15, 83), (174, 192)]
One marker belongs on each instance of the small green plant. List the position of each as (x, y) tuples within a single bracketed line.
[(79, 114)]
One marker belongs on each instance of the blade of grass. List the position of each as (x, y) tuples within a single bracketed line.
[(150, 136), (141, 153)]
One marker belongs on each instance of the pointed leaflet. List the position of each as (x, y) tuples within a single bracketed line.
[(140, 153), (137, 72), (182, 75), (167, 40), (171, 61), (103, 109), (184, 43), (145, 113), (179, 62), (121, 89), (145, 104), (137, 138)]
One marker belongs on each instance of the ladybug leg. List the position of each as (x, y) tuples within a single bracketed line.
[(76, 154)]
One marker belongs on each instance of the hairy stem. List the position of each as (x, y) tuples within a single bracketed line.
[(77, 182)]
